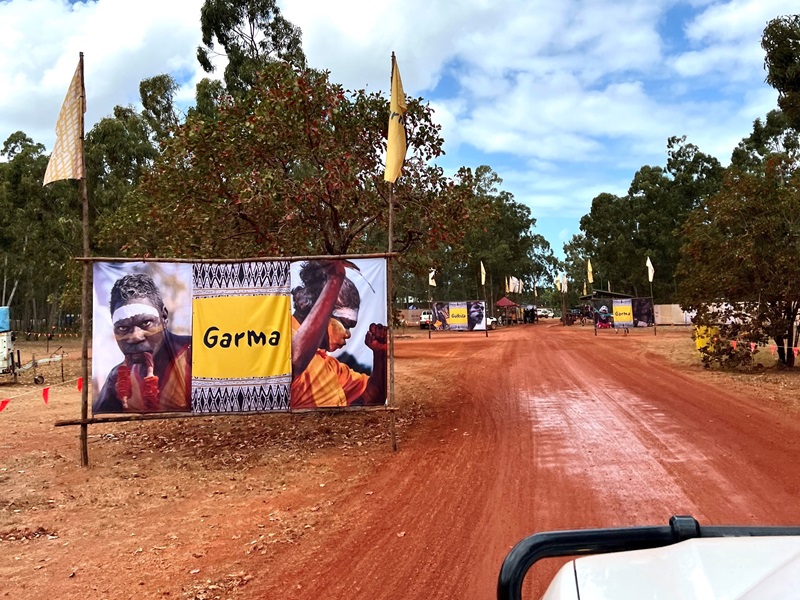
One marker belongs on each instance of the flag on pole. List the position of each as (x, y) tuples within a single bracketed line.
[(535, 294), (589, 274), (483, 274), (584, 288), (66, 161), (396, 137), (564, 284), (507, 285), (520, 286), (431, 280), (650, 270)]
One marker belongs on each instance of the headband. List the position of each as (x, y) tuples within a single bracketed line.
[(351, 314), (131, 310)]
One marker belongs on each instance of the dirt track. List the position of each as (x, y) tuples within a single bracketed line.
[(534, 428)]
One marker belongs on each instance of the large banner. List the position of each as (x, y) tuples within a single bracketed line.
[(239, 337)]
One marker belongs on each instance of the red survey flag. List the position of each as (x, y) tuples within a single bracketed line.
[(3, 404), (46, 395), (80, 383)]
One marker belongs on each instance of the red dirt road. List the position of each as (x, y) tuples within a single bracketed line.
[(531, 429)]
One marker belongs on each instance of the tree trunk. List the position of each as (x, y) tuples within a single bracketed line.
[(779, 342)]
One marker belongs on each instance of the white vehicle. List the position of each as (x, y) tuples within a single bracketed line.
[(491, 323), (544, 313), (683, 561), (425, 319)]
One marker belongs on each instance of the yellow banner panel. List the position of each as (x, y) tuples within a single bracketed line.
[(241, 336), (458, 315), (623, 313)]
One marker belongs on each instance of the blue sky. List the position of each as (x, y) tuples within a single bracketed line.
[(564, 100)]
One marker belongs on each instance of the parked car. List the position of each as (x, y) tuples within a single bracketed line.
[(491, 323), (544, 313), (425, 319)]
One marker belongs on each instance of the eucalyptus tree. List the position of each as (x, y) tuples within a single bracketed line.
[(39, 232), (622, 231), (250, 34), (781, 43)]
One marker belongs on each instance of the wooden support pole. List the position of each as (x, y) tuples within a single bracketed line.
[(188, 415)]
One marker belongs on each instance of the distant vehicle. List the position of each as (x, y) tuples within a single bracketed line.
[(426, 319), (491, 323), (544, 313)]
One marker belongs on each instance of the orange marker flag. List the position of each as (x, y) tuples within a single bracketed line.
[(46, 395)]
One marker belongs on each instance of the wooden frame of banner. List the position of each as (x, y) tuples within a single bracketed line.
[(86, 302)]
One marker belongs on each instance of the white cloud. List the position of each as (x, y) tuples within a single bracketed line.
[(122, 44)]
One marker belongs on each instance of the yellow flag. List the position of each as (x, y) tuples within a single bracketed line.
[(396, 138), (589, 274), (483, 274), (650, 270), (66, 161), (584, 288)]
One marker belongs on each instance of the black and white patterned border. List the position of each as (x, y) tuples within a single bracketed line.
[(211, 395), (241, 279)]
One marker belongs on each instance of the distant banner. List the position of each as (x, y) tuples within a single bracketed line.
[(626, 312), (460, 316), (644, 314), (228, 337), (476, 315), (623, 313)]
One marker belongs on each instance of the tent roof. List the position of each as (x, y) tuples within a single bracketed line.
[(505, 302)]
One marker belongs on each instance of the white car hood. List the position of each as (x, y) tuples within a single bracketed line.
[(733, 568)]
